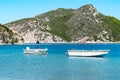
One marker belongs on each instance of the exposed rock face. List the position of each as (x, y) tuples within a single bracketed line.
[(8, 37), (33, 29), (84, 22), (66, 25)]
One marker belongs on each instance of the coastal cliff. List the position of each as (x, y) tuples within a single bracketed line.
[(68, 25), (8, 37)]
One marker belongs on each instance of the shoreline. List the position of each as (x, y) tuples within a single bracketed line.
[(62, 43)]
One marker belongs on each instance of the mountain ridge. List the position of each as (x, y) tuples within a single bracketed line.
[(68, 25)]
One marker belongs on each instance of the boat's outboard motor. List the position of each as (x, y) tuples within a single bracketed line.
[(27, 48)]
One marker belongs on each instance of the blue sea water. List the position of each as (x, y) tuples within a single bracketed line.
[(15, 65)]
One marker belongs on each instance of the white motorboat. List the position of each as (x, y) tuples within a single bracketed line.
[(87, 53), (35, 51)]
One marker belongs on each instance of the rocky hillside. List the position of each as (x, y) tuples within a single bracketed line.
[(7, 36), (66, 25)]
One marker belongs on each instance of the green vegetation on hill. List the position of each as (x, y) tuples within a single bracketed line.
[(58, 26), (112, 24), (72, 24), (6, 35)]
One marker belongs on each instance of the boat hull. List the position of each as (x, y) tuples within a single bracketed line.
[(36, 51), (87, 53)]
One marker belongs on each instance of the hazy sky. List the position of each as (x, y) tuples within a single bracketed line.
[(11, 10)]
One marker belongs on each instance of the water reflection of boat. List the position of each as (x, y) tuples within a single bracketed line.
[(87, 58), (35, 51), (87, 53)]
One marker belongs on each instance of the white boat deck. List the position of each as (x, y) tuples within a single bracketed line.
[(87, 53), (35, 51)]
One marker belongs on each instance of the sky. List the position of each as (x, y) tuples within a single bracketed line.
[(12, 10)]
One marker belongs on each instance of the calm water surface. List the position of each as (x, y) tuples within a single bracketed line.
[(15, 65)]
